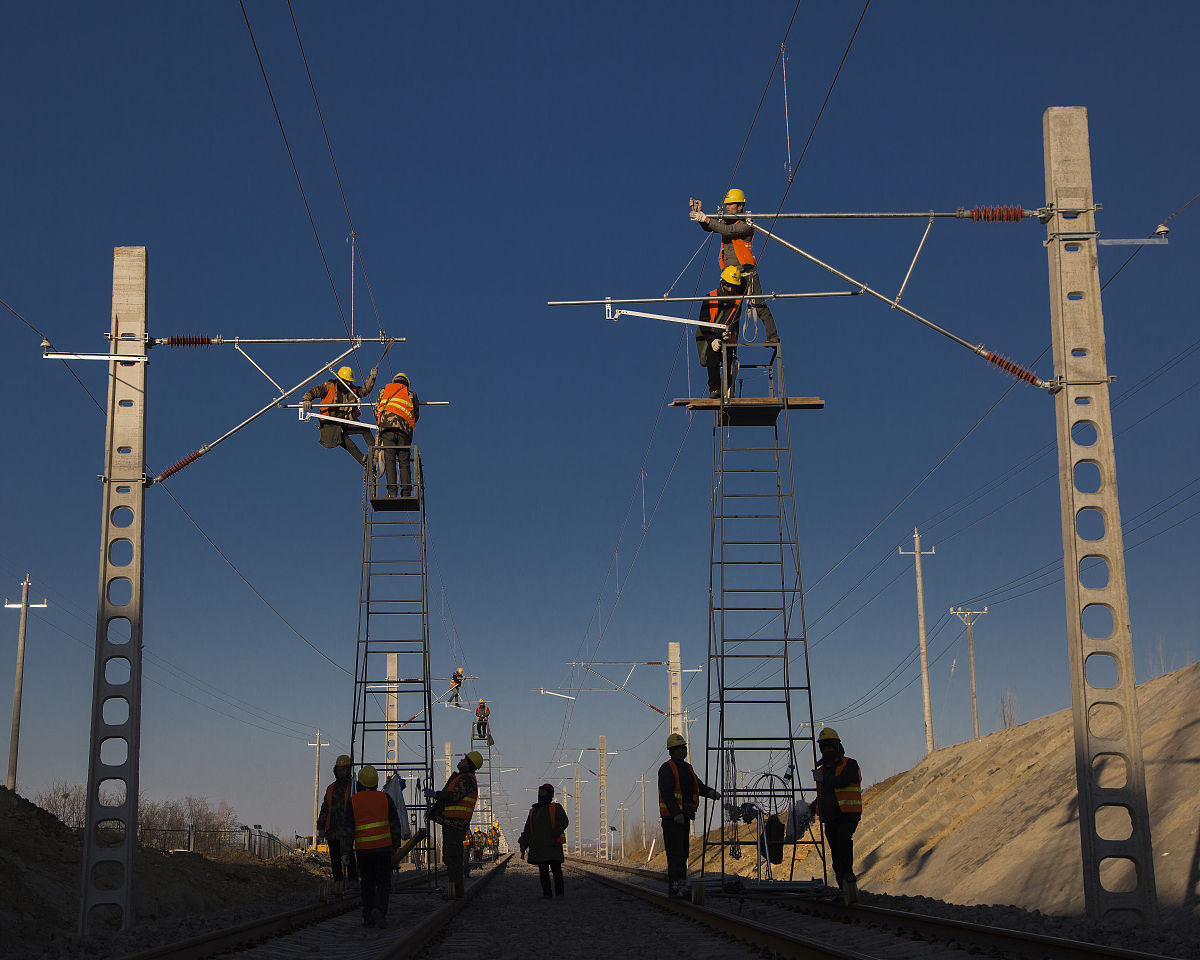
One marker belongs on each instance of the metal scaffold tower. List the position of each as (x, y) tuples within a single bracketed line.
[(486, 809), (760, 722), (392, 725)]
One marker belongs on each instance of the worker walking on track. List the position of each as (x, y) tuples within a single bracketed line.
[(481, 721), (336, 397), (839, 805), (715, 345), (452, 808), (544, 837), (372, 818), (331, 823), (737, 238), (679, 793), (397, 411)]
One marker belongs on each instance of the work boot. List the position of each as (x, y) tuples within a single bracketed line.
[(850, 891), (459, 891), (771, 342), (379, 918), (369, 920), (392, 491)]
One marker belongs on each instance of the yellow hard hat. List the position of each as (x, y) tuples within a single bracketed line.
[(476, 758), (675, 740), (735, 196), (342, 761), (732, 274), (459, 670), (368, 777), (481, 700), (400, 378), (346, 374), (828, 733)]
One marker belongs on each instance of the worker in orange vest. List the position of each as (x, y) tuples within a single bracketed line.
[(737, 238), (545, 836), (331, 823), (335, 398), (839, 805), (372, 818), (481, 721), (713, 344), (679, 793), (452, 808), (397, 411)]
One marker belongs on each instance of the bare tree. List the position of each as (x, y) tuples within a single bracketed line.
[(65, 800), (1008, 710)]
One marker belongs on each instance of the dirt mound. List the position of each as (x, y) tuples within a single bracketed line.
[(40, 861)]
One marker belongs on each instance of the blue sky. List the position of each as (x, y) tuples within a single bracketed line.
[(495, 158)]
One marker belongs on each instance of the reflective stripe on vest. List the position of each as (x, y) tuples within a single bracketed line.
[(695, 796), (461, 809), (395, 399), (849, 798), (371, 828), (741, 249)]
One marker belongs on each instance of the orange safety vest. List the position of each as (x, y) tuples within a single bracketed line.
[(395, 399), (329, 799), (461, 809), (562, 837), (741, 249), (330, 396), (716, 306), (372, 831), (695, 795), (482, 712), (849, 798)]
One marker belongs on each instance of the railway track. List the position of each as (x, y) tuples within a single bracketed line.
[(334, 931), (785, 915)]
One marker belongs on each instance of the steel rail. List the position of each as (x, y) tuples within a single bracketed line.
[(780, 942), (1007, 942)]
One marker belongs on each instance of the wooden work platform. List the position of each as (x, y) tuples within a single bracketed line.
[(395, 503), (750, 411)]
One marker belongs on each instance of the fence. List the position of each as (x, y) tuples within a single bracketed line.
[(211, 843)]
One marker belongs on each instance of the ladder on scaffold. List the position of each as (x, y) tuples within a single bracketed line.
[(760, 743), (484, 806), (392, 720)]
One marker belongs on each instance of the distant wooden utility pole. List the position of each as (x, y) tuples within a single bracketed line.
[(15, 737), (969, 617), (317, 785), (916, 555), (642, 779)]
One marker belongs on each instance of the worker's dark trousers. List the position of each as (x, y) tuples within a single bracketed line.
[(397, 446), (840, 834), (714, 368), (754, 295), (676, 842), (480, 729), (335, 861), (544, 875), (348, 435), (375, 877), (452, 854)]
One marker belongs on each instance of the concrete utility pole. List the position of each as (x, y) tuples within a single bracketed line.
[(969, 617), (674, 690), (621, 809), (391, 753), (643, 782), (603, 841), (449, 755), (916, 553), (15, 739), (1109, 768), (578, 825), (317, 785)]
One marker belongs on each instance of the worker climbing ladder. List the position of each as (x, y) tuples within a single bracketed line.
[(392, 725), (760, 724)]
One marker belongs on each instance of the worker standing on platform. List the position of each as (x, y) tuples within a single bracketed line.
[(544, 836), (713, 344), (372, 817), (336, 397), (679, 793), (397, 411), (331, 823), (481, 721), (452, 808), (456, 682), (839, 805), (737, 238)]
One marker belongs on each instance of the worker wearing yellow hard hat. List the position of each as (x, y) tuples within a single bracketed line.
[(482, 712), (376, 826), (737, 240), (717, 343), (397, 411), (452, 808), (337, 412), (331, 825), (679, 793), (839, 805)]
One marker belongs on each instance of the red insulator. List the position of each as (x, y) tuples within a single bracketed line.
[(1012, 369), (190, 458), (188, 341), (997, 214)]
